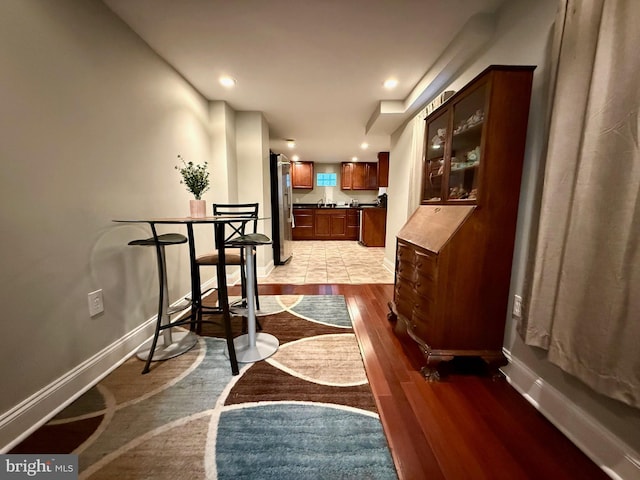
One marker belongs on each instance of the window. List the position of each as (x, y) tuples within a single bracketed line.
[(327, 179)]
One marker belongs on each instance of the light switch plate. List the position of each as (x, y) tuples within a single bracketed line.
[(517, 306)]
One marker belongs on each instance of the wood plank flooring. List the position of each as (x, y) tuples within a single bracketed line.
[(468, 426)]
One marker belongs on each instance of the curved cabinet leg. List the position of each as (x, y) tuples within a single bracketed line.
[(494, 362), (430, 371), (391, 316)]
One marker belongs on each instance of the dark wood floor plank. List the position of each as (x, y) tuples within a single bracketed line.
[(556, 456), (466, 427), (484, 445), (457, 459), (413, 459), (373, 366)]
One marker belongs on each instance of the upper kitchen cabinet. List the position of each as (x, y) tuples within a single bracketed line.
[(359, 176), (302, 175), (346, 176), (474, 143), (383, 169)]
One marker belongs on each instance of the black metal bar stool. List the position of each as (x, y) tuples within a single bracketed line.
[(235, 256), (252, 346), (174, 343)]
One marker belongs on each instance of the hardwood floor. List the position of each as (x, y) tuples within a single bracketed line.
[(468, 426)]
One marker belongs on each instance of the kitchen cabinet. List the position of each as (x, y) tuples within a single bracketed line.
[(374, 227), (302, 175), (371, 176), (331, 224), (326, 224), (383, 169), (454, 254), (346, 176), (353, 224), (303, 220), (359, 176)]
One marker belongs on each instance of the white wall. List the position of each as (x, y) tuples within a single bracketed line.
[(401, 159), (606, 429), (252, 150), (224, 181), (92, 123)]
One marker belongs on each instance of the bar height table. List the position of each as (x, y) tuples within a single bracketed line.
[(218, 222)]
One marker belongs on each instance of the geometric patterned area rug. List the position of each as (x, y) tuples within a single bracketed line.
[(307, 412)]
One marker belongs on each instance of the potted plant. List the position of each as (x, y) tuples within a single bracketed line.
[(196, 178)]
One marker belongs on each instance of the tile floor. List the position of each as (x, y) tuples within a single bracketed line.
[(331, 262)]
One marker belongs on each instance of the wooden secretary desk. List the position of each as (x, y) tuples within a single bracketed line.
[(454, 254)]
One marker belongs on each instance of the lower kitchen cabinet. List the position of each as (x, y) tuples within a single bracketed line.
[(303, 220), (331, 224), (353, 224), (374, 223), (326, 224)]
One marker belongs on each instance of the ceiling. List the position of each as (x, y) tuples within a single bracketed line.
[(315, 68)]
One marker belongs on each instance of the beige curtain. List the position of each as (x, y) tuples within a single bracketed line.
[(584, 303), (417, 148)]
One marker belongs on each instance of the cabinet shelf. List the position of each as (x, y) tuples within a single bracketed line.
[(463, 168), (470, 130)]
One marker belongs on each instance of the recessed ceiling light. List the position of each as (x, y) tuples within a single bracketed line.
[(390, 83), (291, 143), (295, 158), (364, 145), (354, 159), (227, 81)]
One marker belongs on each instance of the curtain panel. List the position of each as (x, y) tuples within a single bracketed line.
[(417, 162), (584, 300)]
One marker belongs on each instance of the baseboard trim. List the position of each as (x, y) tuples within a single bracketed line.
[(266, 269), (22, 420), (615, 458), (29, 415), (389, 265)]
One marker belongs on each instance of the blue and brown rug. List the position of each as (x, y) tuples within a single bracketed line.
[(305, 413)]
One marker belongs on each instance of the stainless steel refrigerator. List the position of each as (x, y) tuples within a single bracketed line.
[(281, 209)]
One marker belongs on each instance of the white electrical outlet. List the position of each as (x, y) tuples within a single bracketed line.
[(517, 306), (95, 303)]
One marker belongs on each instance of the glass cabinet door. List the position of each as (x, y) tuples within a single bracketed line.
[(468, 120), (435, 143)]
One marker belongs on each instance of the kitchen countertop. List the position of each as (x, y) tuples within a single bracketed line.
[(315, 205)]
